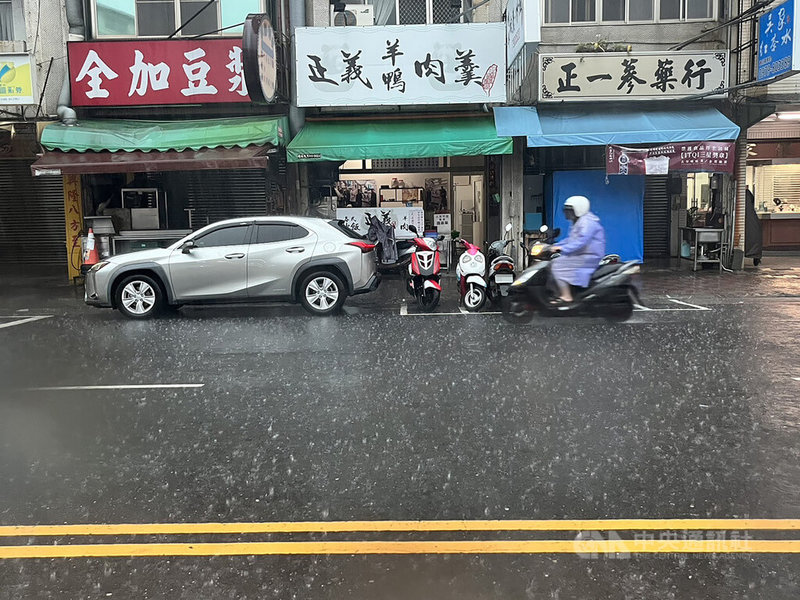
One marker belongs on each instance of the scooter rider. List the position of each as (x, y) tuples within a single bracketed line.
[(582, 249)]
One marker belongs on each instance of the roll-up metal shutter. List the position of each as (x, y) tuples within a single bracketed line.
[(229, 194), (656, 217), (31, 216)]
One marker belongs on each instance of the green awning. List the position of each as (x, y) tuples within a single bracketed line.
[(114, 135), (397, 138)]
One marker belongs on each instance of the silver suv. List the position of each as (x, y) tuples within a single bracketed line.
[(314, 261)]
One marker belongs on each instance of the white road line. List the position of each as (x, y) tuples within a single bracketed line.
[(796, 378), (403, 310), (463, 310), (22, 321), (146, 386), (640, 307), (694, 306), (667, 309)]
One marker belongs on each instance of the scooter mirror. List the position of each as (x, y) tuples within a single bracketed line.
[(508, 227), (413, 229), (543, 228)]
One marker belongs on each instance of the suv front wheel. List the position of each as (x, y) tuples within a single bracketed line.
[(322, 293), (139, 297)]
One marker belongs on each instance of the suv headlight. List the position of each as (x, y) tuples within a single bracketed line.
[(98, 266)]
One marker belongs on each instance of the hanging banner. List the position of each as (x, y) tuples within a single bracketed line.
[(141, 72), (583, 76), (713, 157), (401, 64)]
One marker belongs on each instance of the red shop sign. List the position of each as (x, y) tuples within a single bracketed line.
[(715, 157), (156, 72)]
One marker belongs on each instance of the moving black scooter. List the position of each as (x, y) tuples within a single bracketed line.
[(612, 292)]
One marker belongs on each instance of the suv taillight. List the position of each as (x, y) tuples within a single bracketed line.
[(363, 246)]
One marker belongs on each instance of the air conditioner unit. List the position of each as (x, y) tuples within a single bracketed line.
[(352, 15)]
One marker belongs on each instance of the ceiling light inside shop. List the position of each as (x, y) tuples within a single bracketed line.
[(789, 116)]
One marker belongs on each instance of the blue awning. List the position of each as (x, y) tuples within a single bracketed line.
[(576, 126)]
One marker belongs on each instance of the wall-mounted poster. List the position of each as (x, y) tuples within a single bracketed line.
[(436, 193), (356, 194)]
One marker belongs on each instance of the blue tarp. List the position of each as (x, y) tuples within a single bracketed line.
[(619, 204), (579, 126)]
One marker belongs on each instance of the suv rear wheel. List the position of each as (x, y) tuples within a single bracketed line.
[(139, 297), (322, 293)]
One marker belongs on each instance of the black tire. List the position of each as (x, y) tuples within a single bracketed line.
[(477, 298), (516, 311), (619, 311), (428, 299), (322, 293), (139, 297)]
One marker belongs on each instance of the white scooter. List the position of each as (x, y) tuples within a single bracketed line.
[(470, 273)]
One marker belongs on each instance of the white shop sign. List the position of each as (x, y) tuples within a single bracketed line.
[(442, 222), (635, 76), (460, 63), (357, 219)]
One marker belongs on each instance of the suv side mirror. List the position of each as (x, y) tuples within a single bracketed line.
[(187, 246)]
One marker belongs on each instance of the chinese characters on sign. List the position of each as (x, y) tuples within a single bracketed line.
[(640, 76), (714, 157), (523, 26), (368, 66), (16, 79), (156, 72), (357, 219), (777, 37), (73, 213)]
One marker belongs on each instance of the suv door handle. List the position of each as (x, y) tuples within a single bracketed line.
[(235, 255), (296, 249)]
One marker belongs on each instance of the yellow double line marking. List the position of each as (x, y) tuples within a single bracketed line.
[(587, 546)]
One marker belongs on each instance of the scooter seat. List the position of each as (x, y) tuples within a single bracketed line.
[(605, 270)]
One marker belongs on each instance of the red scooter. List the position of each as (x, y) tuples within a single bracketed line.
[(423, 280)]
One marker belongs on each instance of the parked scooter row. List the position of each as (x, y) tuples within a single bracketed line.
[(612, 292)]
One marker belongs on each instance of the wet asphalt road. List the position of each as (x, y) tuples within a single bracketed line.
[(374, 415)]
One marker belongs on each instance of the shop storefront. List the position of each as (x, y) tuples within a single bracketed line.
[(166, 163), (773, 176), (428, 172), (567, 140), (152, 182), (568, 154), (403, 159), (32, 209)]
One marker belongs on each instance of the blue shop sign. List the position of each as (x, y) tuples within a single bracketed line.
[(776, 41)]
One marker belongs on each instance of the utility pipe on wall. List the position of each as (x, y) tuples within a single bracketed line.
[(77, 33)]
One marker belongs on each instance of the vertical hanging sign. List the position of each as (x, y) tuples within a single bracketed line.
[(73, 218)]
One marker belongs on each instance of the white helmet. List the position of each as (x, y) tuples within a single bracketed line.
[(578, 204)]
